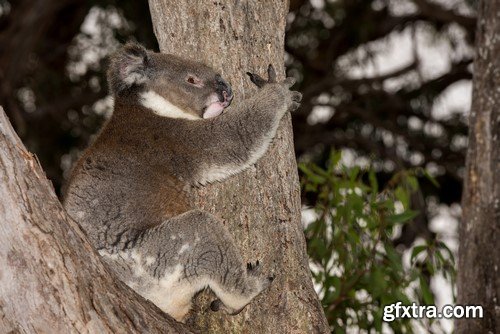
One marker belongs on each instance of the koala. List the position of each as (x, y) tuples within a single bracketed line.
[(173, 128)]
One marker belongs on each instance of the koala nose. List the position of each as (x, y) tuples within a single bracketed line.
[(224, 88)]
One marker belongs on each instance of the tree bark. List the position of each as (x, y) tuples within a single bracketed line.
[(479, 254), (261, 207), (51, 279)]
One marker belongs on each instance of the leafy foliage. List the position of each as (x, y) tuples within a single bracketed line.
[(350, 243)]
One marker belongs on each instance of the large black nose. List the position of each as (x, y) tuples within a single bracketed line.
[(223, 88)]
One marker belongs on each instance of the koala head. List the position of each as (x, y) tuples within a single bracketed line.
[(167, 84)]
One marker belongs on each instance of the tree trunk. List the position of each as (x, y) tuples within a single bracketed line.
[(261, 207), (51, 280), (479, 254)]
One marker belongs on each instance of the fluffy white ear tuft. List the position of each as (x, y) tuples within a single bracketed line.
[(128, 68)]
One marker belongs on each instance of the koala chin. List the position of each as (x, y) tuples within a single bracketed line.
[(173, 128)]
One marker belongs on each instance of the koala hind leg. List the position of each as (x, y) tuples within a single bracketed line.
[(190, 252)]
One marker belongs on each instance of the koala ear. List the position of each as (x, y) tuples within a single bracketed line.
[(128, 67)]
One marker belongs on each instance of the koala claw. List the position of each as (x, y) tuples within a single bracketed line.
[(253, 267), (271, 74), (257, 79), (261, 82)]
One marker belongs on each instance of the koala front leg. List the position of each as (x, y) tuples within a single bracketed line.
[(187, 253), (241, 135)]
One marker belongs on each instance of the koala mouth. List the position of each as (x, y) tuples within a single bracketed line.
[(216, 104)]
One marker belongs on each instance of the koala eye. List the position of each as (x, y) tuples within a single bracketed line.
[(191, 79)]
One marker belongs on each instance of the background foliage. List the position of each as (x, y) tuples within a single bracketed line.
[(384, 81), (355, 262)]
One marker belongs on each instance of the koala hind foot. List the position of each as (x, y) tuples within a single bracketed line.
[(255, 284)]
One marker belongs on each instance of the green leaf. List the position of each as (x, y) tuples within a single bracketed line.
[(402, 196), (333, 282), (417, 250), (442, 245), (412, 182), (427, 295), (353, 173), (335, 157), (430, 178), (402, 217), (378, 282), (373, 182), (394, 257)]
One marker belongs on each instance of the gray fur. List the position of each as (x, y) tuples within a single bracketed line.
[(128, 190)]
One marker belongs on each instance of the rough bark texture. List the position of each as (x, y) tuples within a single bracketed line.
[(479, 255), (51, 280), (261, 207)]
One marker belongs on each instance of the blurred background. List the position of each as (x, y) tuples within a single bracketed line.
[(387, 89)]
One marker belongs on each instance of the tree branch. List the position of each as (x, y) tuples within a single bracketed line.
[(52, 279), (436, 12)]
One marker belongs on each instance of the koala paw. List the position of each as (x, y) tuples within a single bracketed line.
[(254, 270), (293, 98)]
